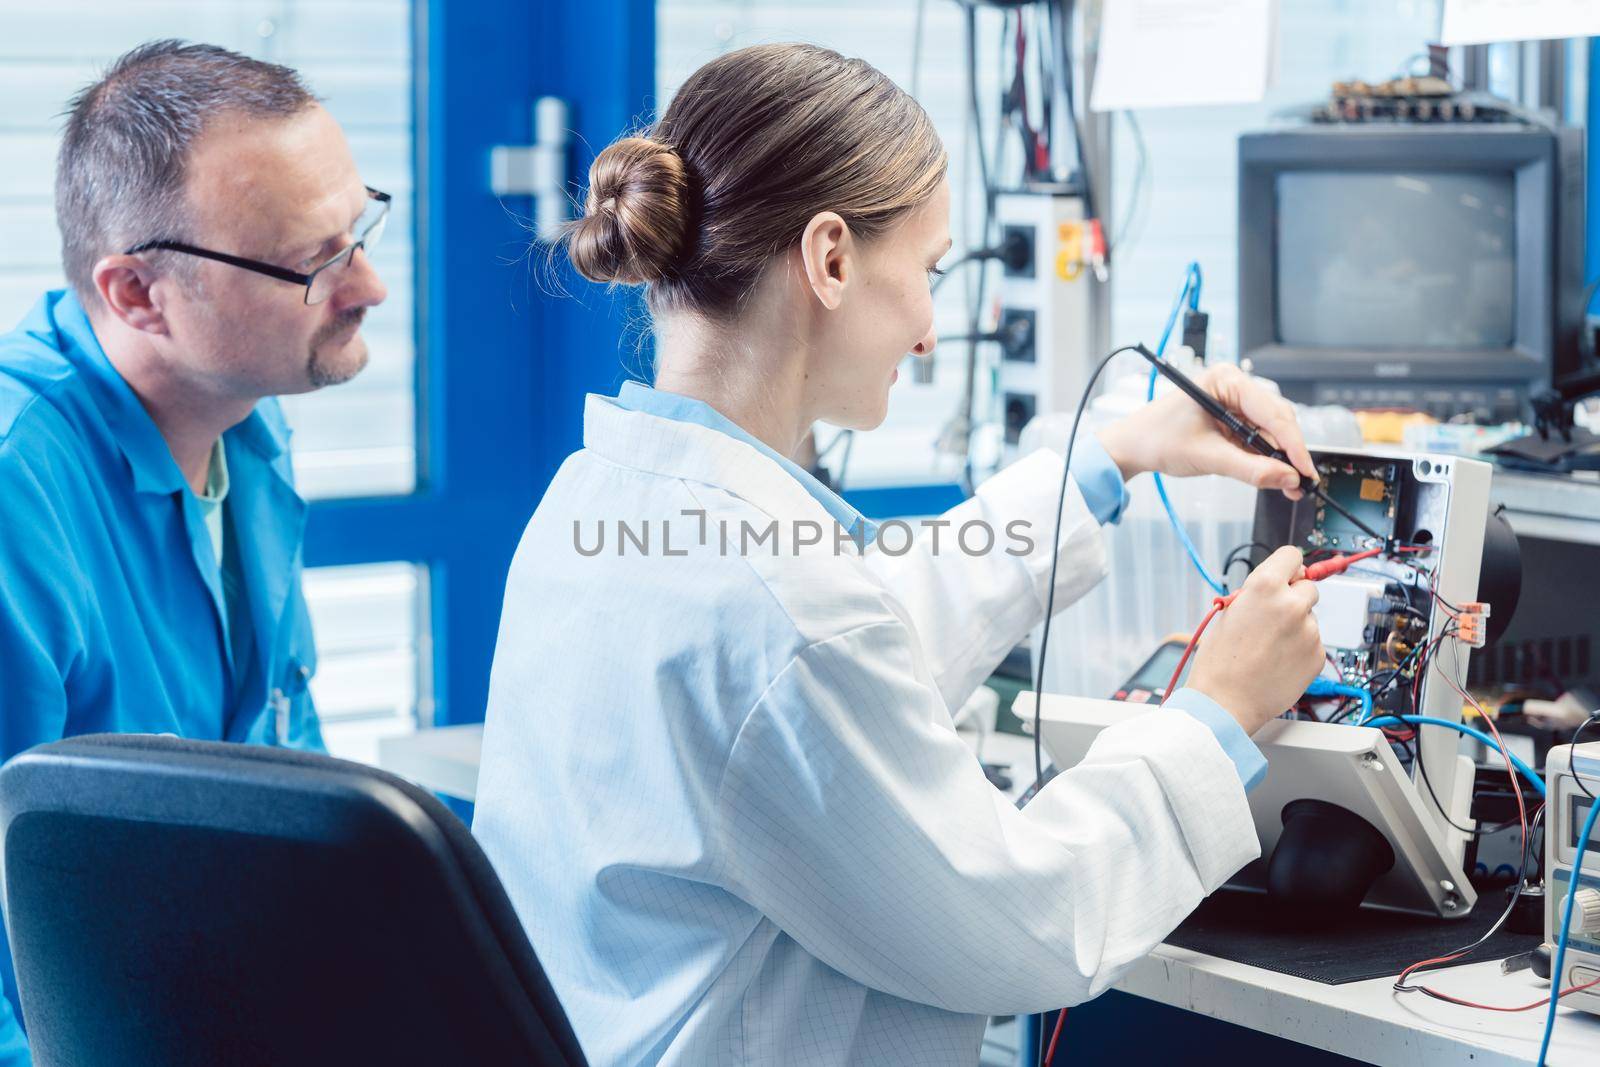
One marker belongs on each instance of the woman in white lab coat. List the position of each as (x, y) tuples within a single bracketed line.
[(720, 779)]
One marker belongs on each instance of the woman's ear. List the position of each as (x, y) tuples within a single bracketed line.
[(827, 249)]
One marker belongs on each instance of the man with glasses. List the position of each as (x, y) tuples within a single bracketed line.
[(215, 233)]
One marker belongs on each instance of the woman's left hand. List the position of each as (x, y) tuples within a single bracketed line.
[(1174, 435)]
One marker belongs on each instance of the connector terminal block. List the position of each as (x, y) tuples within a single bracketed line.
[(1471, 631)]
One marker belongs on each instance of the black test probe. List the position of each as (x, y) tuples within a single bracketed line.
[(1250, 436)]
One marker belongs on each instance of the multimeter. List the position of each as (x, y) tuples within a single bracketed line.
[(1149, 683)]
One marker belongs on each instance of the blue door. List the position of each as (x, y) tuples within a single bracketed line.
[(501, 367)]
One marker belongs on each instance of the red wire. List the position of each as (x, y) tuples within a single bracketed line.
[(1315, 573), (1516, 786), (1522, 818), (1217, 604), (1426, 963), (1051, 1054), (1338, 564), (1497, 1007)]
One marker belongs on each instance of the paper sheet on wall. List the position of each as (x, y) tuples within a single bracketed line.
[(1169, 53), (1487, 21)]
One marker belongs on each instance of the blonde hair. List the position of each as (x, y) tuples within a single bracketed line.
[(754, 145)]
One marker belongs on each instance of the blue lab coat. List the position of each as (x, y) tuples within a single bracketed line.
[(112, 613)]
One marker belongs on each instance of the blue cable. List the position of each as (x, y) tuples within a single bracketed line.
[(1566, 927), (1429, 720), (1191, 291), (1324, 687)]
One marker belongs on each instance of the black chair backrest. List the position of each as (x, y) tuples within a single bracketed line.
[(175, 902)]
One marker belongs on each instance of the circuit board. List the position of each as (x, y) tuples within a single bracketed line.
[(1369, 491)]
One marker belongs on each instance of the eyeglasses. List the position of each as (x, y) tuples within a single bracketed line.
[(322, 281)]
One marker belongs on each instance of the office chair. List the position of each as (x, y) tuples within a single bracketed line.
[(176, 902)]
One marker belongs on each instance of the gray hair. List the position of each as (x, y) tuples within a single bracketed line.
[(121, 172)]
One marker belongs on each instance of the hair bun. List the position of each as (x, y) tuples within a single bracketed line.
[(636, 218)]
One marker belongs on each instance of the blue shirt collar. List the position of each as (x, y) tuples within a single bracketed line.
[(149, 457), (636, 396)]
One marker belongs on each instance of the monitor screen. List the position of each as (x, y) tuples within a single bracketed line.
[(1396, 260)]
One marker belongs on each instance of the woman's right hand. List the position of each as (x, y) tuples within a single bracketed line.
[(1259, 654)]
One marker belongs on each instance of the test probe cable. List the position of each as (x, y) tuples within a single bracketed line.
[(1248, 435), (1044, 635), (1055, 559), (1315, 572)]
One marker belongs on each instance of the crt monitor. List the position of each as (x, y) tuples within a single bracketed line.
[(1427, 267)]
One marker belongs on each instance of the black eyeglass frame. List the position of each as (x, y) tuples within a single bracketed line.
[(272, 270)]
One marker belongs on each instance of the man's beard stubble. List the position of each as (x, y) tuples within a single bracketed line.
[(320, 373)]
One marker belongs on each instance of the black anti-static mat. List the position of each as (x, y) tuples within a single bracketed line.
[(1240, 926)]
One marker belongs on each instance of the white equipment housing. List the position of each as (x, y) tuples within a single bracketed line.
[(1567, 805), (1446, 498)]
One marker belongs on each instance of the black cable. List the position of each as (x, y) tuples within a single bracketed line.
[(1055, 559), (1415, 748), (1234, 557), (1047, 84), (1441, 599), (1064, 52), (1586, 339), (1013, 102), (1406, 588), (1247, 546), (969, 258), (1015, 250), (975, 312), (1137, 189), (827, 450), (916, 48), (1395, 675), (1344, 710), (844, 462), (972, 102), (1577, 735), (1454, 956)]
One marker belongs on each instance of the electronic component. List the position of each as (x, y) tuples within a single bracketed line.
[(1344, 607), (1366, 489), (1432, 513), (1568, 808), (1389, 613), (1470, 631), (1250, 437)]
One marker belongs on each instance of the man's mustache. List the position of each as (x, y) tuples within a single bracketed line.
[(345, 320)]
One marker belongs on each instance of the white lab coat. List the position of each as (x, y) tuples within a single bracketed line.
[(726, 797)]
